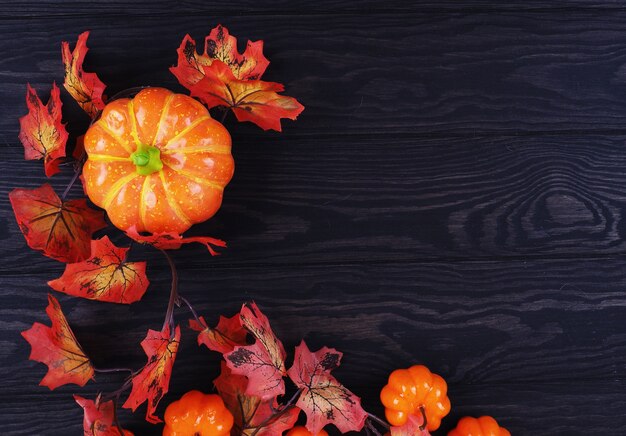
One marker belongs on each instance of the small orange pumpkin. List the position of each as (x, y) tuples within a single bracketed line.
[(409, 390), (198, 414), (483, 426), (302, 431), (157, 161)]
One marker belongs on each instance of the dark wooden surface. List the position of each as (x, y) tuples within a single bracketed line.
[(453, 195)]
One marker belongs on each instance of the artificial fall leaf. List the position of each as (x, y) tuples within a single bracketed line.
[(105, 276), (224, 337), (173, 241), (41, 132), (217, 80), (413, 427), (57, 347), (324, 399), (59, 229), (152, 382), (252, 416), (263, 362), (99, 418), (86, 88)]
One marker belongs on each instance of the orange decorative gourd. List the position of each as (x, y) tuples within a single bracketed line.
[(415, 391), (198, 414), (302, 431), (157, 161), (483, 426)]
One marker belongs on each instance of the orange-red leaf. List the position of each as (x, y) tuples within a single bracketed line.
[(252, 415), (99, 418), (41, 132), (105, 276), (263, 362), (173, 241), (413, 427), (222, 46), (57, 347), (86, 88), (59, 229), (224, 337), (324, 399), (152, 382)]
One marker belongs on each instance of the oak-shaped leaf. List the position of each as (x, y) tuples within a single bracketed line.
[(59, 229), (217, 83), (152, 382), (263, 362), (86, 88), (41, 132), (173, 241), (252, 415), (105, 276), (99, 418), (413, 427), (224, 337), (57, 347), (323, 398)]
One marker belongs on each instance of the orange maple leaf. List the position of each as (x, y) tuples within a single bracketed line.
[(173, 241), (224, 337), (41, 132), (152, 382), (59, 229), (86, 88), (99, 418), (223, 77), (323, 398), (105, 276), (57, 347)]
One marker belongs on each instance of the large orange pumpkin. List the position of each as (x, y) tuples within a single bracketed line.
[(157, 161)]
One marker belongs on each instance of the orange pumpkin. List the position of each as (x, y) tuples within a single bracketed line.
[(412, 389), (302, 431), (483, 426), (198, 414), (157, 161)]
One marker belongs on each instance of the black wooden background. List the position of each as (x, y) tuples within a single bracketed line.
[(454, 194)]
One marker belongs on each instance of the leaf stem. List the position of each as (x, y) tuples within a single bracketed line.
[(188, 304), (174, 297), (226, 110), (379, 421), (77, 172), (104, 370), (116, 419), (371, 428)]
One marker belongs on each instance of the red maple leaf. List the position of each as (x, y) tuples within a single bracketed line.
[(263, 362), (413, 427), (57, 347), (224, 337), (252, 415), (59, 229), (223, 77), (324, 399), (99, 418), (86, 88), (105, 276), (152, 382), (173, 241), (41, 132)]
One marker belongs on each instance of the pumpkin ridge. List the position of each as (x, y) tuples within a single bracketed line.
[(115, 189), (186, 130), (110, 132), (142, 201), (216, 149), (172, 202), (166, 107), (133, 123), (106, 158), (196, 179)]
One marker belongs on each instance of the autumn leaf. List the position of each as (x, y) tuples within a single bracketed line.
[(59, 229), (224, 337), (41, 132), (57, 347), (99, 418), (105, 276), (263, 362), (252, 416), (413, 427), (86, 88), (152, 382), (173, 241), (218, 79), (324, 399)]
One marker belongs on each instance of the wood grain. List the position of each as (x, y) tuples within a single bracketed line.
[(432, 74), (499, 332), (305, 200)]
